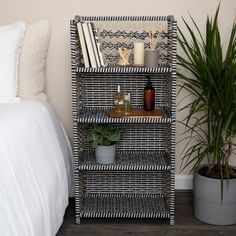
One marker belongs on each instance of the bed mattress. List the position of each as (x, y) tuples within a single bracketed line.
[(36, 169)]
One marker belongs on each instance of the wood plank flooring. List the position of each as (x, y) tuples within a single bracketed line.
[(185, 224)]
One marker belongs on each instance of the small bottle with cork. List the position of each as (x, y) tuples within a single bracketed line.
[(149, 96), (119, 101)]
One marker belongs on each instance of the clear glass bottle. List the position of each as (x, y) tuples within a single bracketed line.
[(119, 101), (127, 104)]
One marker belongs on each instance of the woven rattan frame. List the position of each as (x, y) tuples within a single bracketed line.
[(141, 183)]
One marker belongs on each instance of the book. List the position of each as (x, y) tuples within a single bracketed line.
[(89, 44), (95, 30), (83, 45), (94, 44)]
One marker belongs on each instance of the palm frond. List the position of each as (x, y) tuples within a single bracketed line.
[(211, 79)]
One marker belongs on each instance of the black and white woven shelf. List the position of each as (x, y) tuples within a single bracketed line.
[(128, 160), (119, 69), (100, 116), (124, 206), (141, 182)]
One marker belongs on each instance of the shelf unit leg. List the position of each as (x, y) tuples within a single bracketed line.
[(78, 220)]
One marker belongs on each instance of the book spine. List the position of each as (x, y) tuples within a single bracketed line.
[(83, 45), (89, 45), (96, 33), (94, 44)]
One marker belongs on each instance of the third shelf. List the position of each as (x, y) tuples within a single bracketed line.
[(128, 160)]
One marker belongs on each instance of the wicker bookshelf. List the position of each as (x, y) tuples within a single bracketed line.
[(141, 183)]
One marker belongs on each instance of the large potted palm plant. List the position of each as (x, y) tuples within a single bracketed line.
[(209, 75)]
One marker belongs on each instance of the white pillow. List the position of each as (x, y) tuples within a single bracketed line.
[(32, 82), (11, 37)]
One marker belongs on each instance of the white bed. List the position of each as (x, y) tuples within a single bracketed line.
[(35, 169)]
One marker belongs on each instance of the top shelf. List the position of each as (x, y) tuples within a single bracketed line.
[(124, 18), (120, 69)]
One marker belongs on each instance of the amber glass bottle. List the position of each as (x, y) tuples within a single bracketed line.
[(149, 96)]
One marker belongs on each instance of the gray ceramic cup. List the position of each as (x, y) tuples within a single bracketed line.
[(151, 58)]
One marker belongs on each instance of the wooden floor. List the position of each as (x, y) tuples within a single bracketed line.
[(185, 224)]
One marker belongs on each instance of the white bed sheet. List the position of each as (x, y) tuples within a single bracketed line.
[(35, 169)]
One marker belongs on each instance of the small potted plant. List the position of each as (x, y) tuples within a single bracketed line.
[(104, 139)]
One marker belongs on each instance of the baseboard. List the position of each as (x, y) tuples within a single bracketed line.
[(183, 182)]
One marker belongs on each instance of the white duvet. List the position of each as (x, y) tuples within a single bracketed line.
[(35, 170)]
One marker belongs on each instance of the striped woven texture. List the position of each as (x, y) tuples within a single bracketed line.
[(120, 206), (124, 182), (141, 137), (97, 90), (119, 69), (128, 161), (100, 116)]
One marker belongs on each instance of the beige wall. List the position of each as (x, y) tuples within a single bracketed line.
[(59, 12)]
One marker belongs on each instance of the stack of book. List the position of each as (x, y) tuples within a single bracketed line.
[(90, 46)]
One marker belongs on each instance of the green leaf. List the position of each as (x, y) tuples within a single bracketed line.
[(103, 134)]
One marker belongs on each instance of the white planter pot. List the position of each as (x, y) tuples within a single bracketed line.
[(105, 154), (207, 200)]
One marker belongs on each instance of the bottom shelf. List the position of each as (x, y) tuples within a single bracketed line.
[(124, 206)]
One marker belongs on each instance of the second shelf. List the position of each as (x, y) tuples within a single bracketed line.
[(100, 116)]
